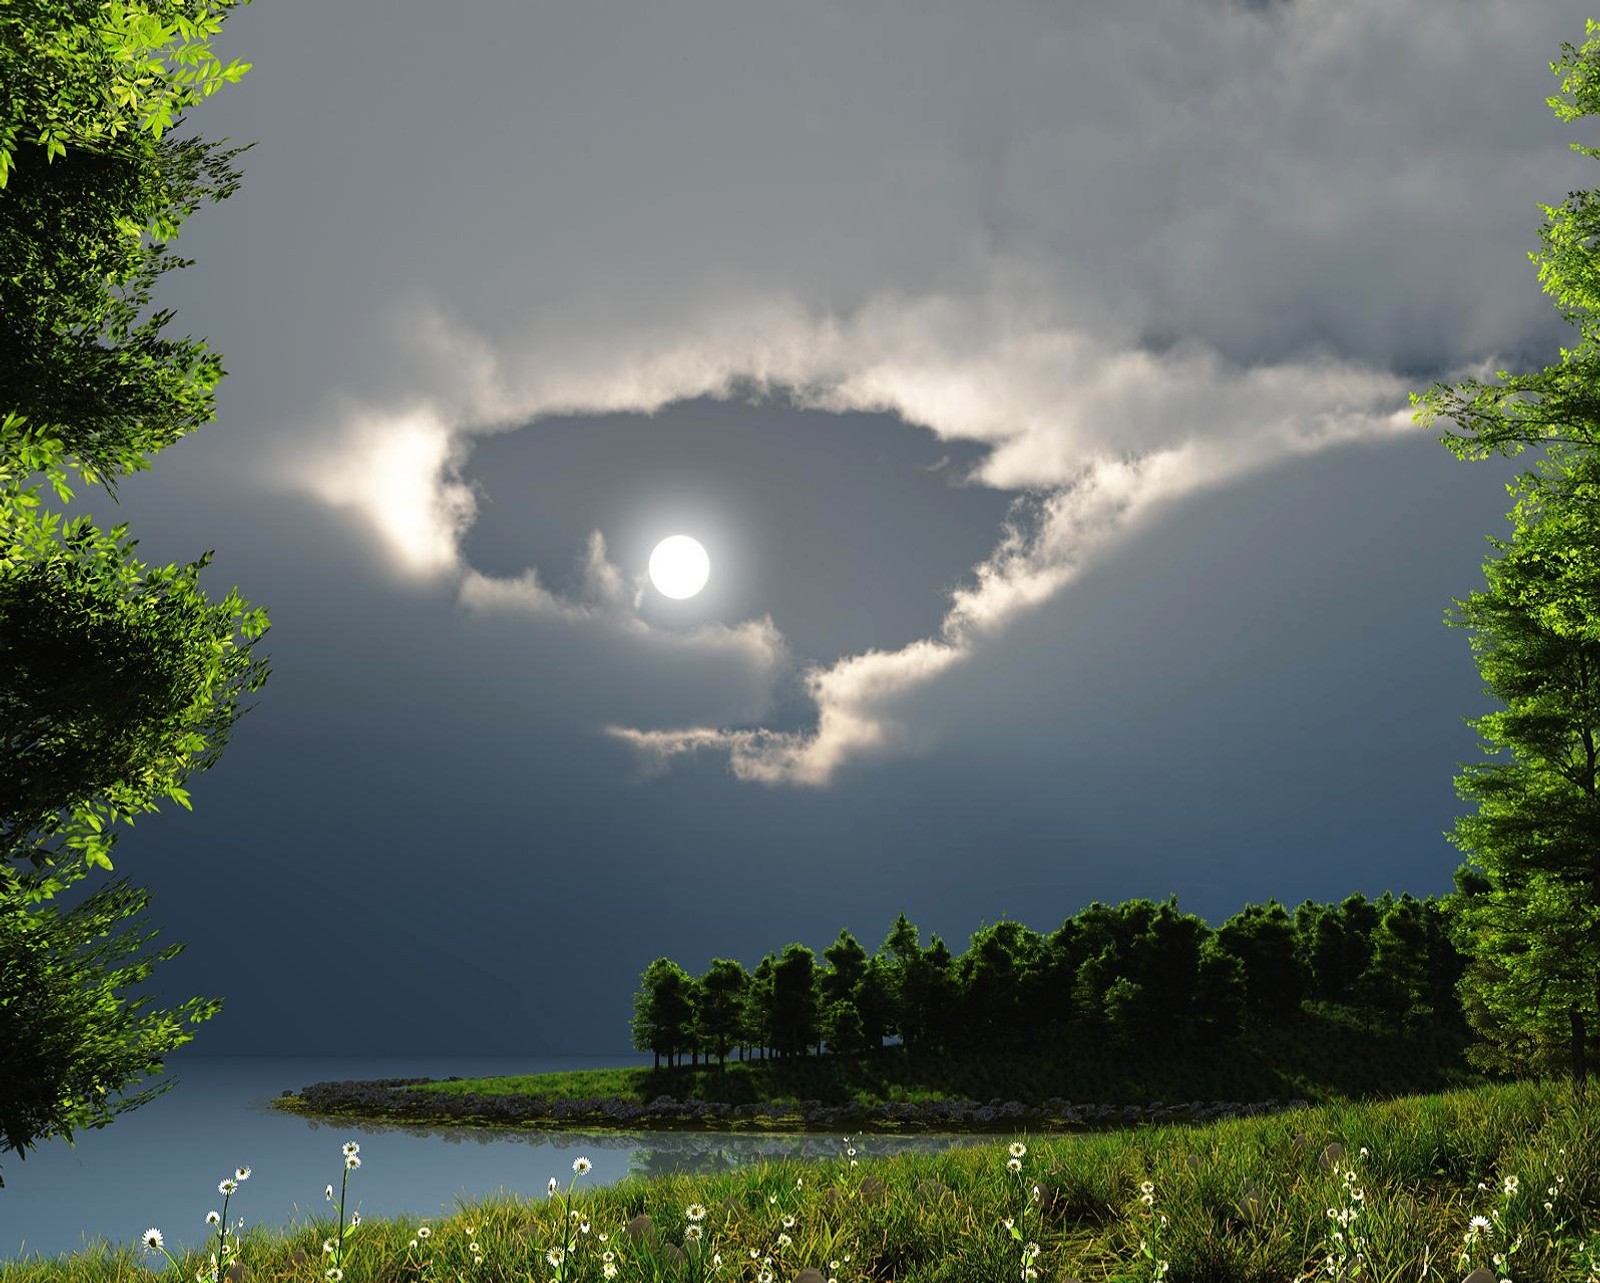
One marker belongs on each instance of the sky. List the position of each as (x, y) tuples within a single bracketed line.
[(1035, 376)]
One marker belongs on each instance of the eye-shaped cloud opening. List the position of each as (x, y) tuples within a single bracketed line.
[(1096, 437)]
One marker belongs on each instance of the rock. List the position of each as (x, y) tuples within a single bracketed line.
[(1331, 1155), (1480, 1275), (639, 1226), (933, 1191), (674, 1253), (872, 1189), (1251, 1204), (238, 1272), (810, 1275), (1193, 1162)]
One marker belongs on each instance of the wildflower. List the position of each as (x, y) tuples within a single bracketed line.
[(609, 1270), (1008, 1222), (241, 1174), (608, 1255), (335, 1274), (851, 1151), (552, 1184), (583, 1227), (784, 1240), (788, 1222), (1478, 1224), (328, 1193), (351, 1163), (554, 1256), (1511, 1186), (581, 1166), (350, 1149), (327, 1247), (691, 1232), (355, 1219), (227, 1186), (213, 1218), (1015, 1164), (1036, 1194), (153, 1240), (424, 1232), (1018, 1149), (695, 1212)]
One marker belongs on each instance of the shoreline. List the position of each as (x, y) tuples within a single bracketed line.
[(387, 1100)]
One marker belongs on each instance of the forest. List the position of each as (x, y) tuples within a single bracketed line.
[(1118, 975)]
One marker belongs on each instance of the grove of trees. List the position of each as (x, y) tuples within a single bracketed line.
[(1126, 973)]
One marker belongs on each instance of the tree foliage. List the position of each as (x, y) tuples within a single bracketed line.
[(117, 680), (1529, 917), (68, 1035)]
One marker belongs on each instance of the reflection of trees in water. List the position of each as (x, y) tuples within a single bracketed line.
[(675, 1153)]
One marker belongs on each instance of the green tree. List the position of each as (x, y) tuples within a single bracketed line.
[(931, 1006), (874, 999), (997, 981), (1219, 991), (1163, 962), (759, 1013), (1395, 983), (117, 681), (663, 1011), (1262, 938), (846, 964), (900, 953), (795, 1011), (841, 1028), (719, 1015), (1534, 935)]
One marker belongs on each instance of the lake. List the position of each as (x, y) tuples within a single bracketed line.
[(159, 1165)]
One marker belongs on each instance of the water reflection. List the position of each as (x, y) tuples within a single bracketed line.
[(654, 1153)]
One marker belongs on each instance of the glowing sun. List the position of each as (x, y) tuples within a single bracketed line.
[(679, 567)]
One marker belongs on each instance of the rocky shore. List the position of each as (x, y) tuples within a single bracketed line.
[(387, 1098)]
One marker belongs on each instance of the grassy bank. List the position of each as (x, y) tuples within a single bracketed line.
[(1425, 1188), (1321, 1056)]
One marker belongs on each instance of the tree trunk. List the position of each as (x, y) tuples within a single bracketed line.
[(658, 1062), (1580, 1064)]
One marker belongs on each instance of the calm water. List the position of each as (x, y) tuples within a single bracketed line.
[(159, 1165)]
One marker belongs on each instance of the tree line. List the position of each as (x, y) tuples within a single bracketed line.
[(1128, 972)]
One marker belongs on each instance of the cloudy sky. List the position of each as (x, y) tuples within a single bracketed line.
[(1035, 376)]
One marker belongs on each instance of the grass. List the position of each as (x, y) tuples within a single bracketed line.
[(1503, 1178), (1290, 1060)]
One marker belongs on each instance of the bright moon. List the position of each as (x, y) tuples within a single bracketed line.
[(679, 567)]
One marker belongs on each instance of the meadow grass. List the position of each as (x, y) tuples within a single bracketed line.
[(1503, 1180)]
